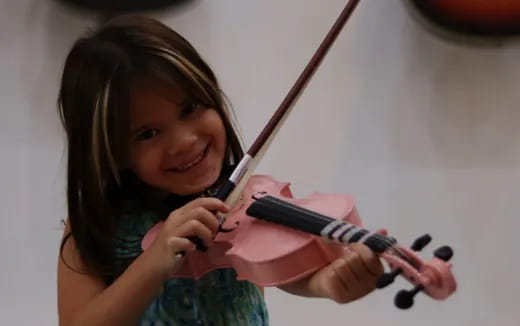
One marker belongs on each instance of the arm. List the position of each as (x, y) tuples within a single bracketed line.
[(85, 300)]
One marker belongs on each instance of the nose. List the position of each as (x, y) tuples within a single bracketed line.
[(181, 139)]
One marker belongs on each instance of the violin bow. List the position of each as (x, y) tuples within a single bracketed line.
[(232, 187), (433, 276)]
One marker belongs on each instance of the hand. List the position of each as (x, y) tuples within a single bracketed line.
[(351, 276), (193, 219)]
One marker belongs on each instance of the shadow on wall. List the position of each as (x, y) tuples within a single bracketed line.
[(460, 107), (489, 32), (115, 7)]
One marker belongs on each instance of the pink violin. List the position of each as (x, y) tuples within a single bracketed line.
[(276, 239), (314, 216), (271, 238)]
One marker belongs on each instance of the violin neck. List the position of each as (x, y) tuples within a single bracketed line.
[(275, 210)]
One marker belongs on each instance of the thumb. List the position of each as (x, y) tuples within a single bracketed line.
[(179, 247)]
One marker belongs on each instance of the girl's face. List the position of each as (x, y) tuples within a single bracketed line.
[(175, 145)]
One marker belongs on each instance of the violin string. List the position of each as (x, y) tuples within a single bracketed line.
[(390, 243), (343, 232), (394, 249), (338, 230), (392, 246), (381, 238)]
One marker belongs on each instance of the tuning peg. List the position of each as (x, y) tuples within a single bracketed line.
[(388, 278), (404, 298), (421, 242), (445, 253)]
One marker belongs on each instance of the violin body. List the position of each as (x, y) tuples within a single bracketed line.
[(264, 253), (484, 17)]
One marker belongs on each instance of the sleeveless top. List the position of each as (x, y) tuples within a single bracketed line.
[(216, 299)]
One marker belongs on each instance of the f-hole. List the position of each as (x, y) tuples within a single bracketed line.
[(226, 230)]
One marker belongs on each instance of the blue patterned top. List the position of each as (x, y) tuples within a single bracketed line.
[(216, 299)]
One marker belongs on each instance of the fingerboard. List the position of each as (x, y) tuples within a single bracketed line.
[(273, 209)]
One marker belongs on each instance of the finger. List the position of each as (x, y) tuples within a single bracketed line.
[(344, 273), (179, 247), (337, 288), (209, 203), (368, 258), (177, 244), (356, 266), (355, 277), (365, 280), (204, 216), (194, 228)]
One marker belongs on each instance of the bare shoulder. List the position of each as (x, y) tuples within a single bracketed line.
[(75, 288)]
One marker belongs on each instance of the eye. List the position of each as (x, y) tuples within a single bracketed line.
[(147, 134), (189, 109)]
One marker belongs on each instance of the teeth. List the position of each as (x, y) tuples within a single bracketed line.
[(184, 167), (192, 163)]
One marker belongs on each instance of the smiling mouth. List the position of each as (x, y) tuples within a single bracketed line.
[(192, 163)]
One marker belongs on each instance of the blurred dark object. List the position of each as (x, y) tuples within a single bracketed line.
[(123, 6), (474, 17)]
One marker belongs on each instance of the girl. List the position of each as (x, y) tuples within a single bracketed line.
[(148, 131)]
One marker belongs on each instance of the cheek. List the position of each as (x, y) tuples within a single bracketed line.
[(144, 162), (221, 137), (215, 125)]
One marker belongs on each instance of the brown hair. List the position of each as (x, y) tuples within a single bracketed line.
[(93, 104)]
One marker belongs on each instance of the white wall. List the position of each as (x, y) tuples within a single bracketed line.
[(422, 131)]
